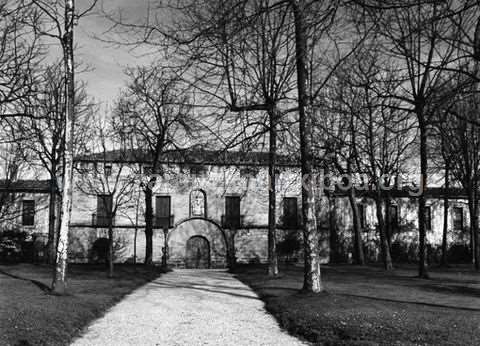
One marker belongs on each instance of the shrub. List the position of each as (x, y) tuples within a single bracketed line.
[(289, 246), (13, 246)]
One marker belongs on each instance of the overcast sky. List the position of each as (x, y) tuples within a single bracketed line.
[(106, 63)]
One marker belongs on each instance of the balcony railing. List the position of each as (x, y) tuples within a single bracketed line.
[(101, 220), (232, 223), (164, 221)]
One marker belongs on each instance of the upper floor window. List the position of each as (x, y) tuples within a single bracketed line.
[(163, 207), (458, 218), (362, 211), (197, 170), (107, 169), (104, 209), (232, 212), (290, 212), (393, 215), (198, 203), (28, 213), (428, 218)]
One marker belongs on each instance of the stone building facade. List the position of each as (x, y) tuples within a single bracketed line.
[(211, 207)]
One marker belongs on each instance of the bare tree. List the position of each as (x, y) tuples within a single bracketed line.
[(43, 135), (59, 19), (114, 183), (155, 109), (20, 53)]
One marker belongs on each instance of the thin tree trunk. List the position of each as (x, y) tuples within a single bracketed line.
[(148, 226), (110, 247), (333, 231), (388, 222), (357, 229), (385, 250), (473, 209), (444, 260), (422, 263), (312, 279), (52, 208), (272, 230), (60, 277)]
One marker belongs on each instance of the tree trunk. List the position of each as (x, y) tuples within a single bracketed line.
[(52, 208), (444, 260), (272, 229), (312, 279), (148, 225), (473, 210), (422, 260), (357, 229), (333, 231), (384, 248), (60, 277), (110, 247), (388, 223)]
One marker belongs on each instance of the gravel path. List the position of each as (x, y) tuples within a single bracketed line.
[(188, 307)]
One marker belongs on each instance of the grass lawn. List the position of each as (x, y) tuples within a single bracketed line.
[(366, 306), (29, 315)]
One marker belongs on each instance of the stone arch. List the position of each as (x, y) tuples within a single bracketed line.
[(197, 226)]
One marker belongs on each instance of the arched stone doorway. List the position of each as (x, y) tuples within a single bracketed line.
[(210, 231), (197, 253)]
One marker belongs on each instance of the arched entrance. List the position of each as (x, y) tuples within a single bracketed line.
[(189, 236), (197, 253)]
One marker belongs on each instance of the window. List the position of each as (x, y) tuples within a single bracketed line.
[(428, 218), (104, 209), (108, 169), (28, 213), (458, 218), (290, 212), (197, 170), (163, 211), (147, 170), (232, 212), (197, 203), (393, 216), (362, 215)]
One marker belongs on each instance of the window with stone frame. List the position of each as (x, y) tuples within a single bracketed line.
[(457, 218), (104, 209), (362, 211), (232, 212), (163, 206), (28, 212), (393, 216), (290, 212), (428, 218)]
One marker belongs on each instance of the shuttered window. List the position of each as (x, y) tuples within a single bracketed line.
[(428, 218), (28, 213), (290, 212), (104, 209), (232, 211), (458, 218), (163, 211)]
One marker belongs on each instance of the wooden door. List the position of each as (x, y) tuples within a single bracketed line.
[(198, 253)]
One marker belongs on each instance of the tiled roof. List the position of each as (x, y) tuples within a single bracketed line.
[(34, 186), (190, 156)]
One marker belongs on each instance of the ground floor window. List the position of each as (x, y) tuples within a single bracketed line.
[(457, 218), (290, 212), (428, 218), (28, 212)]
